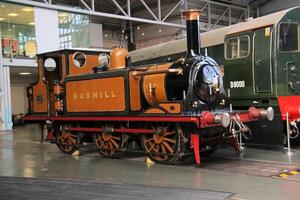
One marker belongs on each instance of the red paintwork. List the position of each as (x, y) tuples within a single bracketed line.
[(252, 114), (195, 144), (50, 135), (206, 120), (117, 130), (195, 120), (291, 105)]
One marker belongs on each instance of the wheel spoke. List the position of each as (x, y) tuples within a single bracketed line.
[(149, 140), (170, 140), (115, 144), (98, 139), (102, 144), (156, 148), (170, 133), (152, 146), (165, 144), (163, 148), (105, 145), (114, 137), (111, 146), (69, 141), (73, 140), (168, 147)]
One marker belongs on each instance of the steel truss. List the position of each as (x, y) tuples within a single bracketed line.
[(124, 12), (89, 9), (226, 14)]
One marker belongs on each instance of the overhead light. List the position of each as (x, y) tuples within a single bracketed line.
[(27, 9), (143, 33), (138, 28), (159, 30), (12, 14), (31, 23), (2, 6), (62, 14), (1, 19), (105, 35), (24, 73)]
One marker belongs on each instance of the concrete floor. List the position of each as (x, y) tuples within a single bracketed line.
[(22, 155)]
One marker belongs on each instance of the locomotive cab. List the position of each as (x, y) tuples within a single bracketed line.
[(46, 96)]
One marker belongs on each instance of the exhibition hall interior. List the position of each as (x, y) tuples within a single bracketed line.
[(150, 99)]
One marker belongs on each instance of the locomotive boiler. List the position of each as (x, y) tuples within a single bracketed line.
[(171, 109)]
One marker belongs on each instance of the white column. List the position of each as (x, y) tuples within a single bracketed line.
[(7, 99), (5, 95), (2, 115), (46, 30)]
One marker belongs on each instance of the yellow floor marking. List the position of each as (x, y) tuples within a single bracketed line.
[(283, 175), (294, 172)]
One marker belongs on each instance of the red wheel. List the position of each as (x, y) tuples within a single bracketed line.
[(165, 145), (109, 144), (67, 142)]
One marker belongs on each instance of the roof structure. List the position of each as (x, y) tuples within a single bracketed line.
[(208, 39)]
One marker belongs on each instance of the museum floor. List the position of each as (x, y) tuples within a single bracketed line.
[(250, 177)]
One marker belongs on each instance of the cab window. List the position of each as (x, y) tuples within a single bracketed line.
[(289, 37), (232, 48), (237, 47)]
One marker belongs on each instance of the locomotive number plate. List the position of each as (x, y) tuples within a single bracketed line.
[(237, 84)]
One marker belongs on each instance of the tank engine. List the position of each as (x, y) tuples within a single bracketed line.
[(172, 109)]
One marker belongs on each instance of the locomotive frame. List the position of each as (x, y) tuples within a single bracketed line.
[(115, 103)]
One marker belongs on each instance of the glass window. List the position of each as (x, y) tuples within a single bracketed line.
[(244, 46), (73, 30), (289, 37), (50, 64), (17, 30), (79, 59), (232, 48), (237, 47)]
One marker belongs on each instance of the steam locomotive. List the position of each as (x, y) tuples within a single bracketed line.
[(172, 109), (261, 66)]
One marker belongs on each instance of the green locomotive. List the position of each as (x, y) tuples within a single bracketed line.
[(261, 59)]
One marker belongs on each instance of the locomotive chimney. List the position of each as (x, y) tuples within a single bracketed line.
[(193, 32)]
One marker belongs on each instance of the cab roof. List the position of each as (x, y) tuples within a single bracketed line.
[(73, 50)]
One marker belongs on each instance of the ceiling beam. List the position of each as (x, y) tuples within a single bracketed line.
[(93, 13)]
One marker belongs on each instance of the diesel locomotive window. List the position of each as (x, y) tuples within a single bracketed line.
[(50, 64), (289, 37), (232, 48), (237, 47), (79, 59)]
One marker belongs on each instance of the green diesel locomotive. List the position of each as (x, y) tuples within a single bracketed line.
[(261, 59)]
